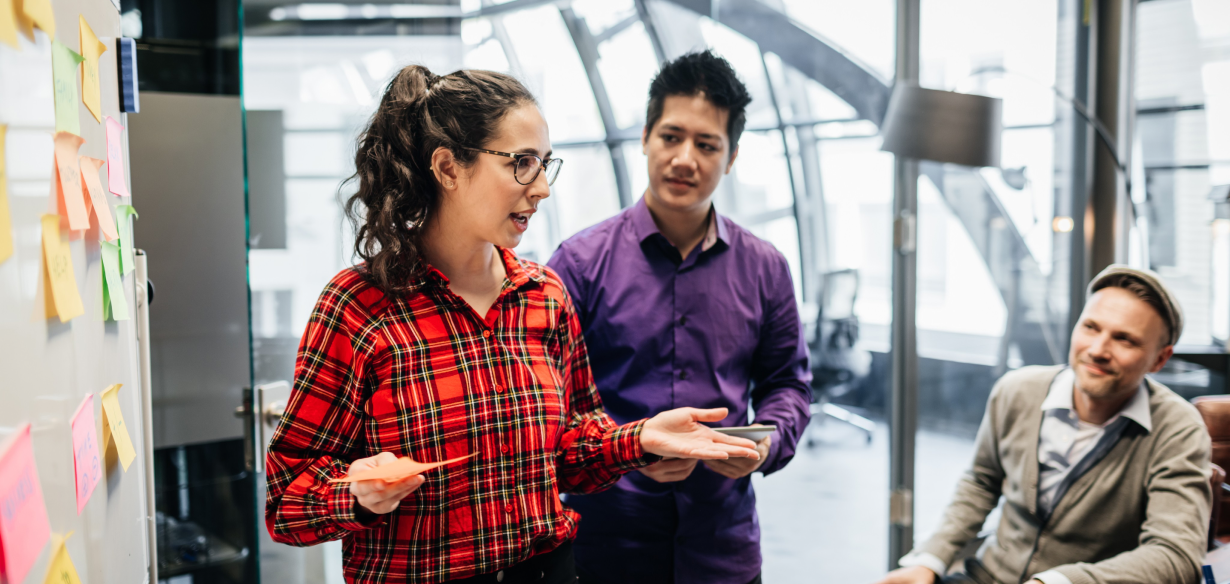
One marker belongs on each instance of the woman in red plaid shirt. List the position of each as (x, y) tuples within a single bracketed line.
[(444, 344)]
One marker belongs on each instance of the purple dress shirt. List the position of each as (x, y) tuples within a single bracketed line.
[(718, 329)]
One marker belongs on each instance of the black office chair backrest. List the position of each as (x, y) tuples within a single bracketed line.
[(839, 292)]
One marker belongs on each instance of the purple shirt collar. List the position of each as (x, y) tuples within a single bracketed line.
[(643, 225)]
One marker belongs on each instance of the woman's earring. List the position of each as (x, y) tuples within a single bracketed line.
[(448, 184)]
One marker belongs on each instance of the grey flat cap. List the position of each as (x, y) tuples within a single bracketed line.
[(1167, 305)]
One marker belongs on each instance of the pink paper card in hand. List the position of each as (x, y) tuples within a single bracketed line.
[(86, 461), (403, 467), (23, 518)]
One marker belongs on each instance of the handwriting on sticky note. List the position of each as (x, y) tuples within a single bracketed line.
[(59, 281), (91, 50), (6, 220), (113, 420), (87, 463), (403, 467), (40, 14), (70, 197), (115, 303), (23, 518), (64, 62), (90, 168), (122, 217), (61, 569), (117, 183)]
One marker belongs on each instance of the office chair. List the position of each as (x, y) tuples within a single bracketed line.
[(837, 366)]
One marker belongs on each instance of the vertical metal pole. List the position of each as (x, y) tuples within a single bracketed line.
[(904, 394), (1083, 14), (1108, 199), (147, 416)]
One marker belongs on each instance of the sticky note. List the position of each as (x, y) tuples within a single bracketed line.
[(117, 432), (91, 50), (40, 14), (87, 464), (98, 197), (61, 569), (397, 470), (59, 281), (64, 77), (23, 518), (6, 220), (117, 183), (67, 183), (127, 261), (115, 303), (8, 23)]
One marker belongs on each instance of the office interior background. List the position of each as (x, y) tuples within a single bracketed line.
[(1001, 254)]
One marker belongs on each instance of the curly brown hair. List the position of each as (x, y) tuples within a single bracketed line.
[(398, 192)]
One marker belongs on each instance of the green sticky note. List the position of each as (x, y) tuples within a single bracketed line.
[(127, 261), (64, 63), (115, 304)]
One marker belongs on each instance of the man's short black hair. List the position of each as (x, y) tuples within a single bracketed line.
[(701, 73)]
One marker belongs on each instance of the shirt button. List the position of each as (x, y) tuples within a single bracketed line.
[(683, 320), (499, 576), (499, 388), (683, 375), (505, 449), (487, 334), (508, 508)]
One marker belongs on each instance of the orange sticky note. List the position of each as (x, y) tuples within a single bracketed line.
[(40, 14), (6, 221), (115, 430), (98, 197), (8, 23), (23, 518), (87, 463), (59, 282), (91, 50), (71, 199), (394, 471)]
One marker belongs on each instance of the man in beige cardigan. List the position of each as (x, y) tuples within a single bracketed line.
[(1104, 473)]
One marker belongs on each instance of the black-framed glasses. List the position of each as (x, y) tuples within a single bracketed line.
[(528, 166)]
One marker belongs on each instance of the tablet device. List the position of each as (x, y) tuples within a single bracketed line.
[(753, 433)]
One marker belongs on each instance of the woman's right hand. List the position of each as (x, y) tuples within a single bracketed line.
[(379, 496)]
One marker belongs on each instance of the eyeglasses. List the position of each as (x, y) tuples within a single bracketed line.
[(528, 166)]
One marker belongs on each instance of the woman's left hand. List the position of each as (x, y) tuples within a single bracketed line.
[(678, 433)]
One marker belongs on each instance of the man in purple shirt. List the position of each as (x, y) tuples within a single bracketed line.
[(682, 307)]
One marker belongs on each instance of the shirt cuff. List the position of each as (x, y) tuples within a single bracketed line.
[(928, 561), (343, 509), (624, 450), (1052, 577)]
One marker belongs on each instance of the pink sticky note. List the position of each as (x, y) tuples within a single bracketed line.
[(23, 518), (116, 182), (86, 461)]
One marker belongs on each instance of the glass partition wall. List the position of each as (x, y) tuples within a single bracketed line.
[(993, 245)]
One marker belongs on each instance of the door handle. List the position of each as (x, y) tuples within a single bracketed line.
[(261, 411)]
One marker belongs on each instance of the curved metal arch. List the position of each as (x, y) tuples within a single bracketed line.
[(798, 47)]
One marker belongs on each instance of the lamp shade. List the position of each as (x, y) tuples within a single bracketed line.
[(943, 126)]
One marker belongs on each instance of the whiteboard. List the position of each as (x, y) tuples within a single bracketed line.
[(49, 367)]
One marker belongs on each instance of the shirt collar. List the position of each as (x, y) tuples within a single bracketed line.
[(643, 225), (519, 272), (1059, 397)]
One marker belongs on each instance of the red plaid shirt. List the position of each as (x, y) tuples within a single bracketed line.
[(424, 376)]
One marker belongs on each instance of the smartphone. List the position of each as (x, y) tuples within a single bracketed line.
[(753, 433)]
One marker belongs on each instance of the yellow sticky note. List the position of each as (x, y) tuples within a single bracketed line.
[(6, 222), (61, 569), (113, 421), (39, 12), (58, 276), (91, 50), (8, 23)]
